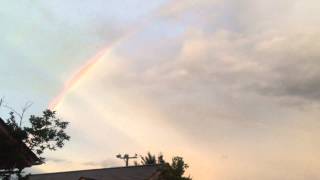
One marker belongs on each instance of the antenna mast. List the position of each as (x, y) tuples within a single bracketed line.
[(126, 158)]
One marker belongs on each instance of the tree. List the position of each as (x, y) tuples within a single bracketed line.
[(173, 171), (45, 132), (161, 159), (149, 159)]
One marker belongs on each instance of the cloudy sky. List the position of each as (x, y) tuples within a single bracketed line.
[(230, 85)]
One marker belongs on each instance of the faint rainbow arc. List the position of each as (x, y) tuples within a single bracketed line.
[(76, 78), (83, 70)]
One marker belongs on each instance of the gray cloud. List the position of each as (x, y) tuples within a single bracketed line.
[(223, 74), (104, 163), (230, 88), (57, 160)]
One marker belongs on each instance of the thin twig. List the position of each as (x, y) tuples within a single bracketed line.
[(23, 110), (1, 101)]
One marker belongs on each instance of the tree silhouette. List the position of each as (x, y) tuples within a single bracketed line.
[(169, 171), (149, 159), (45, 132), (175, 170)]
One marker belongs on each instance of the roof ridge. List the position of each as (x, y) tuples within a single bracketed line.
[(97, 169)]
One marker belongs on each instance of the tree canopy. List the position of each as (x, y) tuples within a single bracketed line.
[(39, 133), (169, 171), (149, 159), (45, 132)]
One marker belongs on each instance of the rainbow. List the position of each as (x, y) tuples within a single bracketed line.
[(83, 70), (77, 77)]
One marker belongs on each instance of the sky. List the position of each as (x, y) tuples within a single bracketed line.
[(230, 85)]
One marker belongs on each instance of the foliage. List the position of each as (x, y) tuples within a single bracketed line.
[(44, 132), (149, 159), (161, 159), (173, 171)]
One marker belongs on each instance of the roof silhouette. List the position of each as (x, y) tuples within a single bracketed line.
[(13, 152), (146, 172)]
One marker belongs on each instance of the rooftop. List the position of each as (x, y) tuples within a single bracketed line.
[(13, 152), (148, 172)]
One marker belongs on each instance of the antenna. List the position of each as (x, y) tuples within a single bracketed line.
[(126, 158)]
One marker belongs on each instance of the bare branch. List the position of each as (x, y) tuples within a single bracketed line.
[(23, 110), (12, 109), (1, 101)]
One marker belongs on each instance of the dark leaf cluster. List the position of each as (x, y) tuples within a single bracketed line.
[(149, 159), (46, 132), (175, 170), (169, 171)]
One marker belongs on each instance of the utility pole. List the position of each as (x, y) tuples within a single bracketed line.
[(126, 158)]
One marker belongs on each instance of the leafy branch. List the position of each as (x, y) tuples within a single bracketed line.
[(45, 132)]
